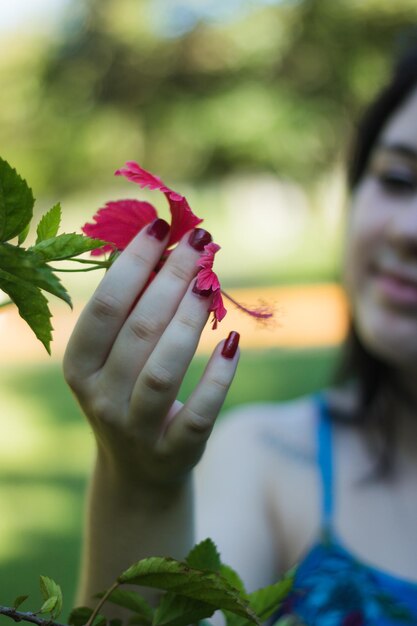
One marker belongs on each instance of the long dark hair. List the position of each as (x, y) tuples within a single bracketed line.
[(376, 387)]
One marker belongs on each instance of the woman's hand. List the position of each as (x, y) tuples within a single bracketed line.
[(128, 355)]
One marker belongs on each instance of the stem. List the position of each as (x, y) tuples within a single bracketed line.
[(100, 604), (19, 616), (98, 263), (89, 269)]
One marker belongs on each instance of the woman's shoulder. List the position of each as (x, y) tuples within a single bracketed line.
[(286, 427)]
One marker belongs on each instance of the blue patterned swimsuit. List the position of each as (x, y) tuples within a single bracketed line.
[(332, 587)]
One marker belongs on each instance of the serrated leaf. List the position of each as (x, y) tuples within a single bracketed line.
[(204, 556), (18, 601), (65, 246), (178, 577), (264, 602), (31, 268), (232, 577), (50, 589), (81, 614), (16, 202), (49, 224), (32, 306), (267, 600), (131, 600), (176, 610), (49, 605), (23, 234)]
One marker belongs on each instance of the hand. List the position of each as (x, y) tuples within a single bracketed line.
[(129, 353)]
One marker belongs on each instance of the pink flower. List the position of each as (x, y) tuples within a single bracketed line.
[(119, 221)]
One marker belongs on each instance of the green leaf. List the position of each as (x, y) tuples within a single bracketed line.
[(116, 622), (16, 202), (49, 605), (32, 306), (264, 602), (18, 601), (30, 267), (65, 246), (232, 577), (49, 224), (176, 610), (23, 234), (131, 600), (81, 614), (267, 600), (50, 589), (204, 556), (171, 575)]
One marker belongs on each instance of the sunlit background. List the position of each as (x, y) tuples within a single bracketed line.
[(248, 109)]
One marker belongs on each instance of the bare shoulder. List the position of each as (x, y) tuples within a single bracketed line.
[(285, 429)]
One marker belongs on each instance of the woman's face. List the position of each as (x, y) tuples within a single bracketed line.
[(381, 247)]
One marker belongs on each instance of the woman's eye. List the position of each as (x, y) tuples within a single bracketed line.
[(398, 182)]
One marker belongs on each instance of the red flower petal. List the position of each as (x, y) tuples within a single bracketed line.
[(118, 222), (134, 172), (183, 219), (218, 308)]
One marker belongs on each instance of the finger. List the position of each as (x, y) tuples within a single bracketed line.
[(108, 308), (187, 434), (152, 314), (158, 383)]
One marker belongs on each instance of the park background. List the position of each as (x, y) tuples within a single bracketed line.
[(248, 109)]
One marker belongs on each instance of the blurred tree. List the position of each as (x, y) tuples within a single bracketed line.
[(275, 89)]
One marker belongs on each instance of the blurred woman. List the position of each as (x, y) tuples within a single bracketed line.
[(329, 481)]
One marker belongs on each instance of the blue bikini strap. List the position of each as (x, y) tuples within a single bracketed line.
[(325, 463)]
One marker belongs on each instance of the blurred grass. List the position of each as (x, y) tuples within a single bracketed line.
[(47, 451)]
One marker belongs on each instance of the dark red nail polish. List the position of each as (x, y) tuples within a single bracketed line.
[(158, 229), (230, 345), (199, 238), (201, 292)]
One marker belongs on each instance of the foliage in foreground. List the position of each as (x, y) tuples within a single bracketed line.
[(193, 590)]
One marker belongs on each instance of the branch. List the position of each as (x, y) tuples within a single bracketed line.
[(19, 616), (100, 604)]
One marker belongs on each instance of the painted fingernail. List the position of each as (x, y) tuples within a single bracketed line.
[(158, 229), (201, 292), (230, 345), (199, 238)]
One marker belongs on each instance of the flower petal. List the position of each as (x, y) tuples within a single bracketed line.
[(183, 219), (135, 173), (218, 308), (118, 222), (207, 279)]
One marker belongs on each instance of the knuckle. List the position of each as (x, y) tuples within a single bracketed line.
[(101, 409), (220, 384), (158, 378), (144, 328), (139, 259), (188, 321), (105, 306), (198, 423), (180, 272)]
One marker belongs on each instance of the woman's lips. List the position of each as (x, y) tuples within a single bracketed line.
[(396, 288)]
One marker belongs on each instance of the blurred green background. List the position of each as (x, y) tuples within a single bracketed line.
[(247, 108)]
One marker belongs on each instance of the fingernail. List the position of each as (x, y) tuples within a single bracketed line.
[(230, 345), (199, 238), (158, 229), (201, 292)]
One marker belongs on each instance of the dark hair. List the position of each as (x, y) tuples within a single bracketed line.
[(376, 386)]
